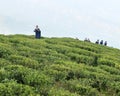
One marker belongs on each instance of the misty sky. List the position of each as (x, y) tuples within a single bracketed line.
[(93, 19)]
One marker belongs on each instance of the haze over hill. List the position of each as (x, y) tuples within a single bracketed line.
[(94, 19), (57, 67)]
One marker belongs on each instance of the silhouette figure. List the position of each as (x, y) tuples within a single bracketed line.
[(101, 42), (105, 43), (87, 39), (37, 32), (97, 42)]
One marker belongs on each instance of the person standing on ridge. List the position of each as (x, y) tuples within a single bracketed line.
[(105, 43), (101, 42), (37, 32), (97, 42)]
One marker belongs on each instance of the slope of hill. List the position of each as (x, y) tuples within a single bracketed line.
[(57, 67)]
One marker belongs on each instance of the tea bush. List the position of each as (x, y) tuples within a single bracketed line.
[(57, 67), (5, 50), (21, 60), (61, 92), (4, 62), (102, 61), (14, 89)]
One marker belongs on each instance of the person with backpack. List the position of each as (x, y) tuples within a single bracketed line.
[(37, 32)]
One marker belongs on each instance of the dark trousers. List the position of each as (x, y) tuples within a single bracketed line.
[(37, 35)]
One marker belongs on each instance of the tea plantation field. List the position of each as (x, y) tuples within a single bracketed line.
[(57, 67)]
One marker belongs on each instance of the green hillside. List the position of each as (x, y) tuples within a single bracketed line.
[(57, 67)]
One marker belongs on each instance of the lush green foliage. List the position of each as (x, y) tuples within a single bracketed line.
[(57, 67)]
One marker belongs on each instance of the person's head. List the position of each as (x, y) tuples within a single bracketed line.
[(36, 26)]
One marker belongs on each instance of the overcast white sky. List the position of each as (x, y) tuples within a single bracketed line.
[(94, 19)]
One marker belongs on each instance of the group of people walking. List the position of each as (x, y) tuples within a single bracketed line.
[(97, 42), (87, 39), (101, 42), (38, 36)]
